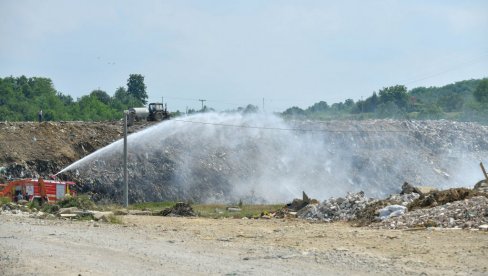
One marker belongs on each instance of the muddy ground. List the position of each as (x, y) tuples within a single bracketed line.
[(148, 245)]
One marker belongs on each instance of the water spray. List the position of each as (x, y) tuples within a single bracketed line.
[(262, 158)]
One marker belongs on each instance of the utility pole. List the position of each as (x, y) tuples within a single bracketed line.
[(202, 103), (126, 176), (263, 104)]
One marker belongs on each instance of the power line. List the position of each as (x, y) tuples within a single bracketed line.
[(449, 69), (291, 129), (210, 101)]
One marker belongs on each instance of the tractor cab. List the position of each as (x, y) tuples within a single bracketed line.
[(153, 107)]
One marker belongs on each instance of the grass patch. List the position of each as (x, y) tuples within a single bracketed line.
[(34, 204), (109, 207), (152, 206), (81, 202), (213, 210), (4, 200), (50, 208), (220, 210), (114, 219)]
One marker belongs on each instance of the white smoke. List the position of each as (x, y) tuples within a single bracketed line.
[(260, 157)]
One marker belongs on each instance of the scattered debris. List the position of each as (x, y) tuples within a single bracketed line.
[(180, 209), (335, 209), (459, 207), (435, 198), (456, 208), (409, 189), (140, 213), (298, 204), (481, 186), (102, 216), (467, 213), (392, 211)]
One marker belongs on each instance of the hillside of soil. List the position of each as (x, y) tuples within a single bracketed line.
[(28, 149)]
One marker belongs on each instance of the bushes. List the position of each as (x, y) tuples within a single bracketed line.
[(81, 202), (4, 200)]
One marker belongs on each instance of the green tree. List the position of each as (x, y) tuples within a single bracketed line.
[(66, 99), (121, 95), (396, 94), (92, 109), (481, 92), (250, 109), (372, 103), (389, 110), (318, 107), (431, 112), (101, 95), (451, 103), (294, 111), (349, 103), (123, 101), (137, 88)]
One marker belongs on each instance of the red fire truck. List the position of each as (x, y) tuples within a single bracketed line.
[(37, 189)]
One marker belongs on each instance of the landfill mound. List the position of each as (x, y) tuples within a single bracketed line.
[(254, 159), (213, 158), (29, 149)]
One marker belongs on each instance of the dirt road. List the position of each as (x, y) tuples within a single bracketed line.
[(198, 246)]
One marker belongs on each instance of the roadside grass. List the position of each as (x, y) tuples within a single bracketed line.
[(4, 200), (202, 210), (152, 206), (221, 210), (81, 201), (214, 210), (113, 219)]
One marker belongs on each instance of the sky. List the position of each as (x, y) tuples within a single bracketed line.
[(233, 53)]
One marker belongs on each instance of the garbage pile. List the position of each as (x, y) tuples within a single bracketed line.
[(334, 209), (414, 207), (436, 198), (208, 163), (467, 213), (355, 206), (180, 209)]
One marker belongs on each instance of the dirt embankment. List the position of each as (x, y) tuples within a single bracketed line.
[(29, 148)]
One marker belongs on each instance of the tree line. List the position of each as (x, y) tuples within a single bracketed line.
[(21, 98), (465, 100)]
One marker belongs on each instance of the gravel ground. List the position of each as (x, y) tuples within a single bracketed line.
[(145, 245)]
